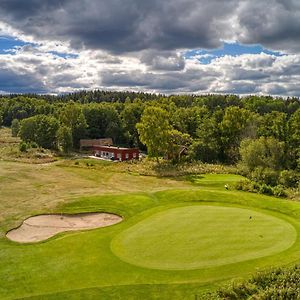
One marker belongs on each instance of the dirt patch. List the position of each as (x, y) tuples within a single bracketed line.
[(40, 228)]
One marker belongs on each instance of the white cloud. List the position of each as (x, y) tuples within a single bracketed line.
[(244, 74)]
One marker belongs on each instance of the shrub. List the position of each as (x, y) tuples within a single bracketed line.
[(281, 283), (265, 189), (279, 191), (254, 187), (248, 186), (265, 175), (289, 178), (15, 127), (34, 145), (23, 147)]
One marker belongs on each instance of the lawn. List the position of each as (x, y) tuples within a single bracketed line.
[(180, 237)]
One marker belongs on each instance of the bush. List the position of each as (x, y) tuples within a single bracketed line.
[(289, 178), (265, 189), (23, 147), (281, 283), (279, 191), (265, 175), (247, 186), (15, 127), (34, 145), (254, 187)]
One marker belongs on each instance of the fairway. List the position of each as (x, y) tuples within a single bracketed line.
[(194, 237)]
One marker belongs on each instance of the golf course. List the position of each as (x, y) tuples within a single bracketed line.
[(179, 238)]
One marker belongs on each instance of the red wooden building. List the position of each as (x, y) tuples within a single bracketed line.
[(116, 153)]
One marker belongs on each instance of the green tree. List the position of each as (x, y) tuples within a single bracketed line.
[(131, 115), (154, 130), (15, 127), (273, 124), (237, 123), (28, 128), (263, 152), (189, 119), (72, 116), (177, 142), (65, 139), (293, 139), (103, 120), (40, 129)]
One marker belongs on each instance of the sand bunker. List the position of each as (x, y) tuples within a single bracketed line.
[(40, 228)]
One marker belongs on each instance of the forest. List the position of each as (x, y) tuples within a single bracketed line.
[(258, 134)]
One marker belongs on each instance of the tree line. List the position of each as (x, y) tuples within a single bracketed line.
[(260, 133)]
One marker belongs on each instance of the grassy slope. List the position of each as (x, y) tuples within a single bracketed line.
[(81, 264)]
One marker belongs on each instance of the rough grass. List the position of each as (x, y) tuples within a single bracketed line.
[(9, 150), (28, 189)]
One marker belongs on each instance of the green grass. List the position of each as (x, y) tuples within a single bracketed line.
[(90, 265), (196, 237)]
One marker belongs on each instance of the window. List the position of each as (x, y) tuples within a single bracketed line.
[(134, 155), (127, 155)]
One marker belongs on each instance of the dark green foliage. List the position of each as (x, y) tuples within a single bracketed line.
[(204, 152), (273, 124), (103, 120), (15, 127), (261, 188), (262, 152), (289, 178), (23, 146), (40, 129), (237, 124), (265, 175), (217, 124), (65, 139), (279, 191), (279, 284), (33, 145), (154, 130), (72, 117), (130, 116)]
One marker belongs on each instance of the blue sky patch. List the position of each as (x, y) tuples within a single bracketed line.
[(232, 49), (10, 44), (64, 55)]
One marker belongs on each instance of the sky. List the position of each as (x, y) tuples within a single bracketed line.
[(161, 46)]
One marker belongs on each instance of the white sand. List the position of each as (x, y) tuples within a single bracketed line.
[(40, 228)]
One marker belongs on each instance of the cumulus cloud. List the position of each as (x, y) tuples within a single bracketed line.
[(32, 70), (140, 45), (125, 26), (122, 26)]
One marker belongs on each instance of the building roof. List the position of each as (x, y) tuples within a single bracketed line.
[(113, 148)]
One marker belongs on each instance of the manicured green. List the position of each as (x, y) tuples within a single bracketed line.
[(196, 237), (89, 264)]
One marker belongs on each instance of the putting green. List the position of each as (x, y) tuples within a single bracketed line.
[(201, 236)]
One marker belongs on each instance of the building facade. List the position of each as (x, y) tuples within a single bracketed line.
[(115, 153)]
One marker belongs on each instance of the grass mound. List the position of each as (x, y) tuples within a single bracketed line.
[(201, 236)]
